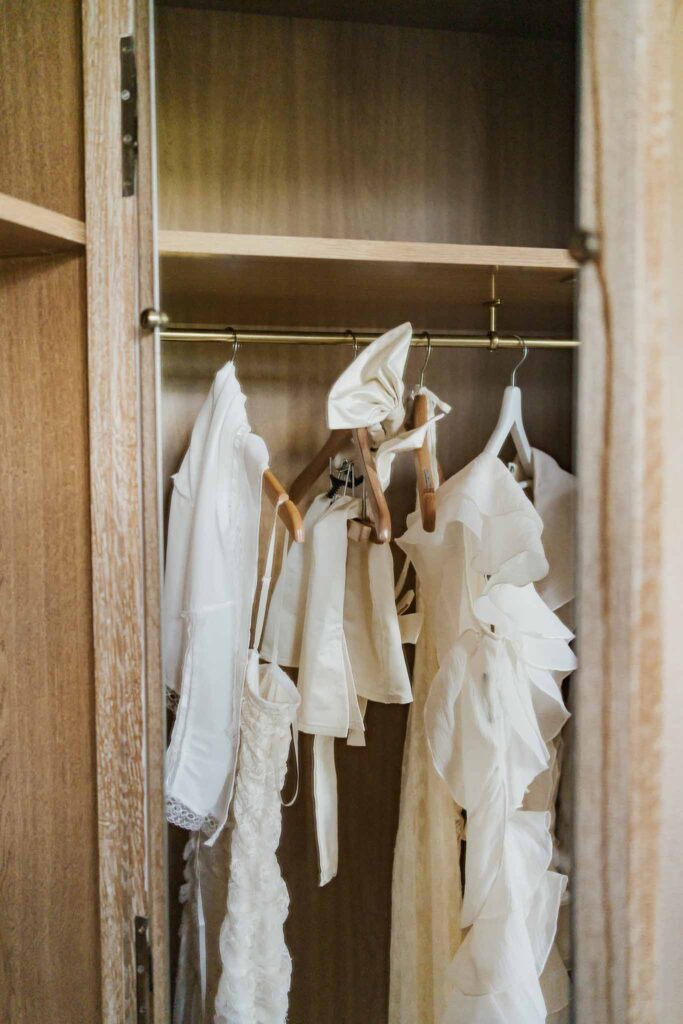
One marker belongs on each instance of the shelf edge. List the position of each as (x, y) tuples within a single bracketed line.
[(40, 220), (198, 243)]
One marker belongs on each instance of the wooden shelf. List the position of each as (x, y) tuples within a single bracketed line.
[(30, 230), (199, 243), (282, 281)]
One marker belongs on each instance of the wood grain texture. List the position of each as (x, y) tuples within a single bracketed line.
[(29, 230), (41, 104), (150, 442), (198, 243), (116, 509), (670, 894), (625, 197), (556, 20), (339, 129), (49, 958), (306, 293), (339, 935)]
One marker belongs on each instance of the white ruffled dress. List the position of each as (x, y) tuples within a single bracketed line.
[(493, 707)]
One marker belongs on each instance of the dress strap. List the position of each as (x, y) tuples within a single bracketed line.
[(266, 578)]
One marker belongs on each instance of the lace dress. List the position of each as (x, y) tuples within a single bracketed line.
[(257, 967)]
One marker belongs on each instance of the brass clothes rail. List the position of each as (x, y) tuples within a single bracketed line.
[(250, 336)]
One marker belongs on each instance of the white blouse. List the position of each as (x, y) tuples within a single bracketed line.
[(209, 584)]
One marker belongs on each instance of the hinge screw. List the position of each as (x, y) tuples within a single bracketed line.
[(125, 94)]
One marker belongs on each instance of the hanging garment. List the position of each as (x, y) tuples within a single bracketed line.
[(554, 495), (340, 625), (492, 708), (426, 896), (211, 567), (425, 918), (321, 607), (257, 967), (233, 962)]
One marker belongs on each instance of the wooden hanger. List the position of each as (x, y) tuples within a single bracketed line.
[(510, 421), (426, 485), (380, 529), (286, 509), (426, 488)]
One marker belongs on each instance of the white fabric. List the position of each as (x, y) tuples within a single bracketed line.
[(426, 895), (339, 626), (257, 966), (370, 391), (493, 706), (554, 496), (210, 578)]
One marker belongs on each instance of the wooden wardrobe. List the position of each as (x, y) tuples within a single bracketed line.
[(321, 166)]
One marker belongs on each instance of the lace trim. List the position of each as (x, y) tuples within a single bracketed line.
[(178, 813)]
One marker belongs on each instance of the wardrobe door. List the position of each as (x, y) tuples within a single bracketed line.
[(49, 930), (125, 563), (629, 686)]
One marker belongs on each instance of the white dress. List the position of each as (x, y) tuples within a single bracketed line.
[(257, 967), (209, 584), (493, 706), (426, 896)]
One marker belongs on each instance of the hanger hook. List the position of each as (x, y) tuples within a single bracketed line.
[(235, 342), (427, 335), (525, 347), (349, 334)]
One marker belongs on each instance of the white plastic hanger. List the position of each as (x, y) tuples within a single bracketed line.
[(510, 421)]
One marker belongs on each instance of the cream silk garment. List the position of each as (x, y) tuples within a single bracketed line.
[(209, 584), (426, 885), (493, 706)]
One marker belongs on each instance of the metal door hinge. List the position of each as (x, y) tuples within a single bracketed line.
[(129, 116), (143, 968), (150, 319), (584, 246)]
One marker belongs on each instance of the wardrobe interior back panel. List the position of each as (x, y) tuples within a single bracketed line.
[(41, 104), (49, 939), (295, 126)]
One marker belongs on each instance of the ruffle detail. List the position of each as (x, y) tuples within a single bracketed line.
[(493, 706)]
